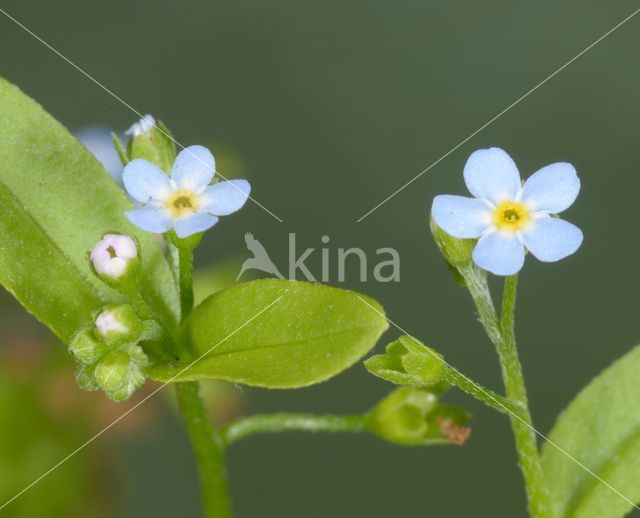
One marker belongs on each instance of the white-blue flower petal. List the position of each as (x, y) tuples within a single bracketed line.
[(194, 168), (150, 219), (225, 198), (145, 181), (553, 188), (198, 222), (552, 239), (460, 216), (492, 174), (499, 253)]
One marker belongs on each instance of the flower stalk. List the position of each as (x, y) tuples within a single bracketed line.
[(288, 422), (501, 333), (182, 262), (208, 449), (206, 440)]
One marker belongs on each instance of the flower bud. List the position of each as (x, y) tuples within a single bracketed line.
[(118, 325), (152, 141), (111, 370), (120, 372), (85, 378), (457, 252), (401, 417), (408, 361), (115, 259), (87, 347), (410, 417)]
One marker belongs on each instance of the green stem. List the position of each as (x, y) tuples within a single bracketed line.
[(181, 258), (502, 334), (153, 330), (287, 422), (482, 394), (208, 449), (139, 304), (515, 388), (206, 441)]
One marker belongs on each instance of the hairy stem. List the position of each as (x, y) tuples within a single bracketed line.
[(208, 449), (287, 422), (515, 388), (502, 334), (206, 441), (482, 394), (181, 259)]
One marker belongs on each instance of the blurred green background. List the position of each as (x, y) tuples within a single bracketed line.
[(328, 107)]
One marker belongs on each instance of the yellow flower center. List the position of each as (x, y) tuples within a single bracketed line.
[(512, 216), (181, 202)]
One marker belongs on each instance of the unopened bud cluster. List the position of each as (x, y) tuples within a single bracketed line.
[(108, 354)]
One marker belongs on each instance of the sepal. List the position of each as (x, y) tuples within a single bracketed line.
[(457, 252)]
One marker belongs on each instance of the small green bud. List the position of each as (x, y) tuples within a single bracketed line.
[(115, 260), (112, 369), (121, 372), (457, 252), (411, 416), (151, 141), (85, 378), (87, 347), (133, 380), (401, 417), (408, 361), (119, 325)]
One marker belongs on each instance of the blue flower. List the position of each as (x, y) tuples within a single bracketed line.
[(508, 216), (185, 201)]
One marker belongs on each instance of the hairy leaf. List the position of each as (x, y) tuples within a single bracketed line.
[(601, 429), (57, 201), (277, 334)]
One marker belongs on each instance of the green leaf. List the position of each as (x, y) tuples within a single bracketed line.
[(57, 201), (309, 333), (601, 429)]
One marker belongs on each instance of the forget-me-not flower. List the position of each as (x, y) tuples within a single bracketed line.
[(183, 201), (508, 216)]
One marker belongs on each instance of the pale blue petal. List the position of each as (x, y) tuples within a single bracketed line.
[(499, 253), (198, 222), (194, 168), (459, 216), (145, 181), (225, 198), (553, 188), (552, 239), (150, 219), (492, 174)]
